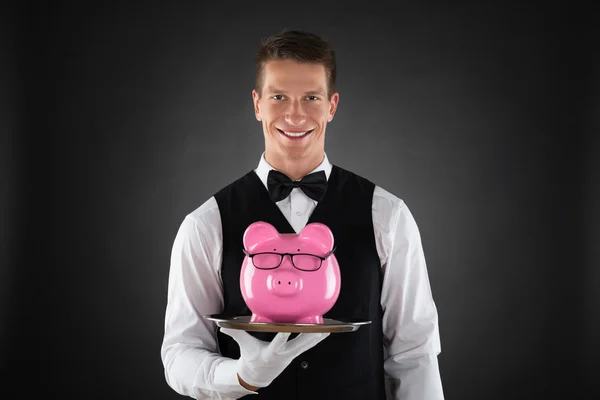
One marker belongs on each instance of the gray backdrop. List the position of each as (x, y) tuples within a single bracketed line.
[(121, 120)]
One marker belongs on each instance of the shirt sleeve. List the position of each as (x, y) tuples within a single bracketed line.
[(410, 319), (190, 355)]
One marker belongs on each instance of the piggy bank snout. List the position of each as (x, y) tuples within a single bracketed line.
[(284, 283)]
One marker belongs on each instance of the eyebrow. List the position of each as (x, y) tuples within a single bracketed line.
[(271, 89)]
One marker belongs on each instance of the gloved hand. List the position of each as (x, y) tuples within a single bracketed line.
[(261, 362)]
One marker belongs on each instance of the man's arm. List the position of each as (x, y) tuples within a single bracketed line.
[(410, 320), (190, 354)]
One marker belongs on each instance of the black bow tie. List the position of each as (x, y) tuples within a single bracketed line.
[(280, 185)]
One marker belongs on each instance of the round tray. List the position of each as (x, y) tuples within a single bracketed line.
[(328, 325)]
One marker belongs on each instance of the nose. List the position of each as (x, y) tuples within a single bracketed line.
[(284, 283), (295, 115)]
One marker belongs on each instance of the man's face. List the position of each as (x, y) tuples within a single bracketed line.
[(294, 108)]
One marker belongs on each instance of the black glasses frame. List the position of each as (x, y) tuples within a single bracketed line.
[(322, 258)]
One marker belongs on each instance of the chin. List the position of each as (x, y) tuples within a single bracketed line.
[(294, 152)]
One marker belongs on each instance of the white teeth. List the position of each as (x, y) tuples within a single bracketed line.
[(295, 134)]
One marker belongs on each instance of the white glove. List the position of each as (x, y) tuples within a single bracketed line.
[(261, 362)]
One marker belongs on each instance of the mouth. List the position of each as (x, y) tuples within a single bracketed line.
[(295, 135)]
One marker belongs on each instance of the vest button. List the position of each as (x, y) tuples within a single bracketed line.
[(304, 364)]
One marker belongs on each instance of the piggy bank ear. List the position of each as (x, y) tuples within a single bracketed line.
[(258, 232), (318, 233)]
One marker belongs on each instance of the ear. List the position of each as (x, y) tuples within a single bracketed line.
[(258, 232), (333, 103), (318, 233), (255, 98)]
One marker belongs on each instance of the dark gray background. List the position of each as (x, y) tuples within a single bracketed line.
[(121, 120)]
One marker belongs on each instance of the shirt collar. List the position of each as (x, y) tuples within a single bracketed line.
[(264, 167)]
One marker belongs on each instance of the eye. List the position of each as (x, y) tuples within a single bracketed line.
[(277, 97), (312, 98)]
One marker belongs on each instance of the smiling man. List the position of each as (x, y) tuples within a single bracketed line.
[(383, 270), (293, 102)]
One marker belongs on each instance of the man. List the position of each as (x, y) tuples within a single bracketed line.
[(383, 271)]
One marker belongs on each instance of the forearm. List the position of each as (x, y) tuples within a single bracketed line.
[(414, 377), (202, 374)]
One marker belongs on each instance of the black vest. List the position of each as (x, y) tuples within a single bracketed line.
[(345, 365)]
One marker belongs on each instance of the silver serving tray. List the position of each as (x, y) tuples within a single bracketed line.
[(328, 325)]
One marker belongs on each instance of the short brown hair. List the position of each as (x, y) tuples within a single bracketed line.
[(299, 46)]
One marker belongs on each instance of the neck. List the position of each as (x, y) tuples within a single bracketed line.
[(294, 168)]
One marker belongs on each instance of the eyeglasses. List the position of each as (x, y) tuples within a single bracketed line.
[(302, 261)]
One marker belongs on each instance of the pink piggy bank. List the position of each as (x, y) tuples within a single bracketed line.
[(289, 278)]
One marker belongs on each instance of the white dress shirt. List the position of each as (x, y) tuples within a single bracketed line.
[(190, 354)]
